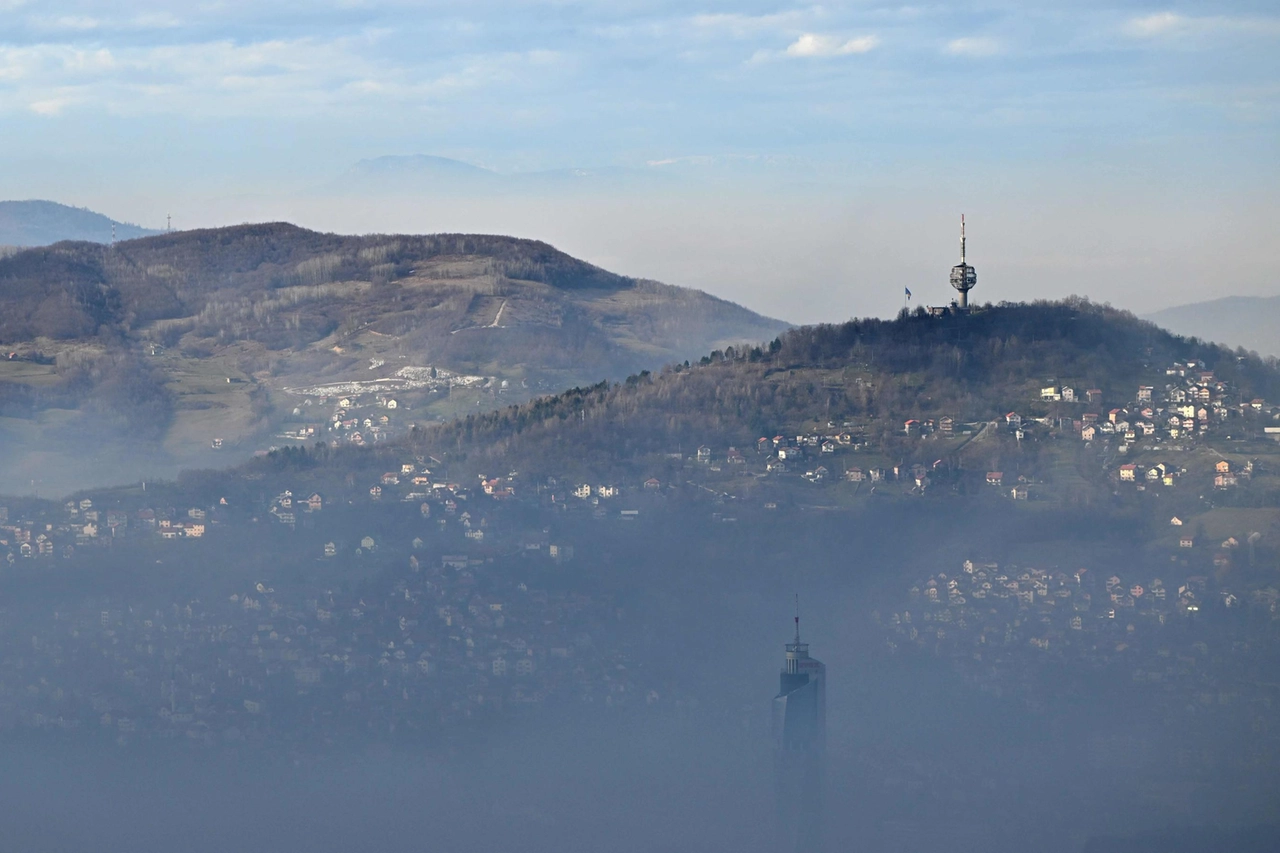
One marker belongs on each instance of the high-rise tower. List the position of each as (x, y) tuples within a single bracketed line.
[(963, 276), (799, 731)]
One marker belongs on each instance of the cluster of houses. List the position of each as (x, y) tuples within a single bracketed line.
[(285, 507), (944, 427), (1224, 477), (367, 411), (801, 454), (1189, 406), (1225, 551), (434, 639), (1192, 406), (1182, 410), (605, 491), (81, 524), (995, 622), (354, 424), (415, 482), (794, 453)]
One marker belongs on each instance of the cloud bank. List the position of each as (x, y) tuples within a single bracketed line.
[(811, 44)]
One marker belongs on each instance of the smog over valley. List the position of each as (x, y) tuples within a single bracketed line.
[(635, 427)]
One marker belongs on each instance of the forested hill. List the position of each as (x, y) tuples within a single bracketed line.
[(74, 289), (184, 342), (872, 374)]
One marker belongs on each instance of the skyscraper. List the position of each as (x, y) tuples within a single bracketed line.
[(799, 731)]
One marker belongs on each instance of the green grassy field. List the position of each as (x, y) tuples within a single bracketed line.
[(206, 405), (28, 373), (1217, 524)]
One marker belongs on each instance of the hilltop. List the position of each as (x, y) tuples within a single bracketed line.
[(886, 381), (1068, 405), (40, 223), (213, 336)]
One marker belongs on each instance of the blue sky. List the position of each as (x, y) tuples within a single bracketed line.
[(817, 154)]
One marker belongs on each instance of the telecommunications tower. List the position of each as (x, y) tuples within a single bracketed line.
[(963, 276), (799, 733)]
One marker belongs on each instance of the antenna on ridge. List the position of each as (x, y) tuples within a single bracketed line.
[(168, 223), (113, 234)]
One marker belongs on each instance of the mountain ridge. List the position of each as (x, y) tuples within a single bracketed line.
[(37, 222), (207, 338), (878, 375), (1238, 321), (1079, 409), (397, 174)]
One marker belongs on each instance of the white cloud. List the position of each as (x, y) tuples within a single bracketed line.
[(15, 63), (812, 44), (226, 78), (76, 22), (52, 62), (49, 107), (972, 46), (1157, 24), (156, 21), (107, 22), (693, 160), (1173, 24), (745, 25)]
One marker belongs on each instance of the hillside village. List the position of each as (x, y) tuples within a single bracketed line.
[(416, 587), (1185, 653), (453, 624), (437, 641), (1162, 427), (369, 411)]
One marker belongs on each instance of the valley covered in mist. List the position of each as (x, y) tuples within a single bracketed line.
[(1044, 591)]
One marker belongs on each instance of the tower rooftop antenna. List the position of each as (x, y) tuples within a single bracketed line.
[(797, 618)]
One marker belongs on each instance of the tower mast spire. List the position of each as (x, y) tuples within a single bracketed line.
[(963, 276), (797, 618)]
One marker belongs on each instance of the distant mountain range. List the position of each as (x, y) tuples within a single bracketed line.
[(424, 173), (1252, 322), (41, 223)]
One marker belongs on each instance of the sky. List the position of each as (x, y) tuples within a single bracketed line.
[(810, 161)]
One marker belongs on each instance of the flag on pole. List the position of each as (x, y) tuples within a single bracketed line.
[(907, 290)]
